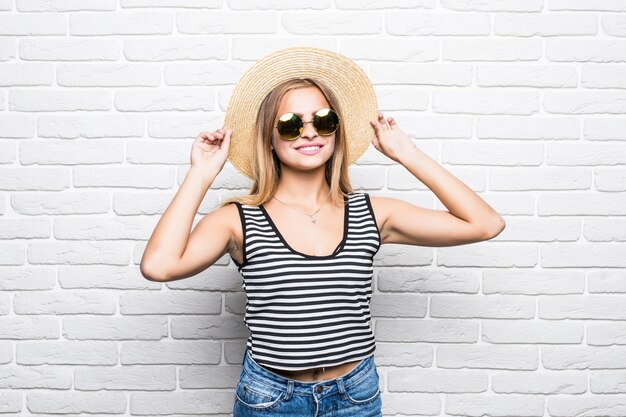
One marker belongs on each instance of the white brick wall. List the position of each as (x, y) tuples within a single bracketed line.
[(523, 100)]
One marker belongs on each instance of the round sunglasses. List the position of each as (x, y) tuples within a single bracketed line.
[(290, 125)]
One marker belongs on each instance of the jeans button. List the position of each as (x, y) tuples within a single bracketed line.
[(320, 388)]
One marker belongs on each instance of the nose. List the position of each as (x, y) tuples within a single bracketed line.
[(308, 130)]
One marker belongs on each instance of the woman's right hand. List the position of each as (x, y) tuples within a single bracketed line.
[(209, 151)]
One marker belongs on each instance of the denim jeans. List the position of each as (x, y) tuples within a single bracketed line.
[(261, 392)]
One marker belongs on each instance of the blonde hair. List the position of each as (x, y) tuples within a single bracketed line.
[(265, 163)]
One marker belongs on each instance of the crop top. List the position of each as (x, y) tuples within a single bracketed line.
[(306, 311)]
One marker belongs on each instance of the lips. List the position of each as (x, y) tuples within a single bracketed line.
[(312, 151)]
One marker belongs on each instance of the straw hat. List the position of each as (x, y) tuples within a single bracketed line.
[(346, 79)]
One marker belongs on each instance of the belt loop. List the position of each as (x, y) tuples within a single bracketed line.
[(341, 388), (289, 390)]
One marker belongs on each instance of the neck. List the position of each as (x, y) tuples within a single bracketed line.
[(307, 189)]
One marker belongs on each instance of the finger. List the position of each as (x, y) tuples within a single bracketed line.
[(224, 131), (227, 134), (375, 124), (204, 136), (226, 142), (383, 121)]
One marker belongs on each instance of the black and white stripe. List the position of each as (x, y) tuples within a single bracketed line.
[(306, 311)]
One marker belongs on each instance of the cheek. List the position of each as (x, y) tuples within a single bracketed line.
[(332, 144)]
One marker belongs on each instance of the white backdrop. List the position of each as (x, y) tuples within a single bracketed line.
[(523, 100)]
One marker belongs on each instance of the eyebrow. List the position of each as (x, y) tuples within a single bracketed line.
[(300, 114)]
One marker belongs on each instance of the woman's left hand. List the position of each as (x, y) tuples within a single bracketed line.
[(391, 141)]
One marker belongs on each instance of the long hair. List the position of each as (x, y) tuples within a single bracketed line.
[(265, 163)]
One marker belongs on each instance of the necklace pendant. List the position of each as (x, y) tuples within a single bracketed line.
[(313, 220)]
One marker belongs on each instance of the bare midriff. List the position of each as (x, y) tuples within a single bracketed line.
[(317, 374)]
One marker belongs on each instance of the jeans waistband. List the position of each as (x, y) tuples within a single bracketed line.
[(252, 368)]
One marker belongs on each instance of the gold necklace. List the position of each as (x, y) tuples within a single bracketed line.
[(310, 215)]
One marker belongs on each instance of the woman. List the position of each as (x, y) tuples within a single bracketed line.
[(310, 352)]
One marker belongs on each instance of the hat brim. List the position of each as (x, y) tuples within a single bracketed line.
[(351, 86)]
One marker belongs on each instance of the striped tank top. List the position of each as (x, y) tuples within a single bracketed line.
[(306, 311)]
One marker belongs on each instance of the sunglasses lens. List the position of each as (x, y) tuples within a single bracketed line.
[(289, 126), (326, 121)]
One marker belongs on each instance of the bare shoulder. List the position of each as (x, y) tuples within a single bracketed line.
[(213, 237), (227, 217), (381, 206), (402, 222), (384, 205)]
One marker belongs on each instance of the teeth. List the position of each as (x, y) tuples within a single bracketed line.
[(309, 148)]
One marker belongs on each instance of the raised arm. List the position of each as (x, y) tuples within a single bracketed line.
[(172, 252), (408, 224), (468, 218)]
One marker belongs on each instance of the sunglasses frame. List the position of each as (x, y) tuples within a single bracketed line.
[(310, 121)]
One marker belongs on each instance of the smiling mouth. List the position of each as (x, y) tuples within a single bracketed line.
[(309, 148)]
